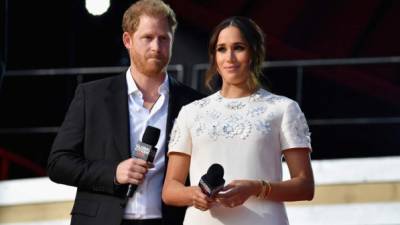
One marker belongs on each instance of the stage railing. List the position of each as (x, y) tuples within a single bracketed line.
[(177, 71), (197, 77), (300, 65)]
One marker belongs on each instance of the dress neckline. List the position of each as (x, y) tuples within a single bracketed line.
[(244, 98)]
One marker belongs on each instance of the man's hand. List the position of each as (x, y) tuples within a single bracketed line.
[(131, 171)]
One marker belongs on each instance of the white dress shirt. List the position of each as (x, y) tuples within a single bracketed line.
[(146, 201)]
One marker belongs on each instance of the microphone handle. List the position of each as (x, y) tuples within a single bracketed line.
[(131, 190), (132, 187)]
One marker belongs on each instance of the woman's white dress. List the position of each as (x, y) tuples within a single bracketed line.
[(247, 136)]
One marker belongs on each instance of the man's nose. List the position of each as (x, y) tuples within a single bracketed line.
[(156, 44)]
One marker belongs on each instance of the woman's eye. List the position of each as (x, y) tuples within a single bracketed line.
[(221, 49), (239, 48)]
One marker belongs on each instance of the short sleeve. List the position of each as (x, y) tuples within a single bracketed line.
[(294, 131), (181, 140)]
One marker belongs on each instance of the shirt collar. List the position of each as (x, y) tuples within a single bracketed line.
[(133, 89)]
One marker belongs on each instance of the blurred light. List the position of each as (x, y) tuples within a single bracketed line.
[(97, 7)]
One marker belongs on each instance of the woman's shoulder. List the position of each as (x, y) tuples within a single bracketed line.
[(201, 103), (189, 111), (265, 96)]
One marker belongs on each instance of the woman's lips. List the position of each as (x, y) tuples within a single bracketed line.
[(231, 68)]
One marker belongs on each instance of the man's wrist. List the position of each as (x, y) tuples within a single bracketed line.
[(116, 181)]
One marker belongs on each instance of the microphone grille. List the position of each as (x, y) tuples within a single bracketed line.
[(151, 135), (215, 173)]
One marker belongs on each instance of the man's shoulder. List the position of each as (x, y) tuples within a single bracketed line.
[(103, 83)]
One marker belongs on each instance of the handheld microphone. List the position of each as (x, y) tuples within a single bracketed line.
[(145, 150), (212, 182)]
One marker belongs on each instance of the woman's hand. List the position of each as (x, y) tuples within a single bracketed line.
[(175, 192), (237, 192), (200, 200)]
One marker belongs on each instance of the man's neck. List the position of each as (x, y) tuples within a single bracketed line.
[(148, 85)]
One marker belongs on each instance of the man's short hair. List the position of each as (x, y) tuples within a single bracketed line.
[(156, 8)]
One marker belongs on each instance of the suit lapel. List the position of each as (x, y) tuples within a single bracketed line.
[(174, 105), (117, 106)]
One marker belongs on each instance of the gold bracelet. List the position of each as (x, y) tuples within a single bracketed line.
[(269, 189), (262, 192)]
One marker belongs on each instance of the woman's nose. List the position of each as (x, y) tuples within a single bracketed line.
[(231, 57)]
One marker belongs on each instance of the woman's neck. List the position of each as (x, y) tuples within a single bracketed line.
[(235, 91)]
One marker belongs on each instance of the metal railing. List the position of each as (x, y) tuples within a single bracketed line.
[(300, 64), (79, 72), (177, 70), (195, 81)]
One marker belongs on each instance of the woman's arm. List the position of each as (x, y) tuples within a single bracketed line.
[(299, 187), (175, 192)]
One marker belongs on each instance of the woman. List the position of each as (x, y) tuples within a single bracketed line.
[(244, 128)]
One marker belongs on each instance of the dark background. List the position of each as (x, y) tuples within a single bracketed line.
[(62, 34)]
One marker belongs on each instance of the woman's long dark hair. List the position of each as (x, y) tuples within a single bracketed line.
[(254, 37)]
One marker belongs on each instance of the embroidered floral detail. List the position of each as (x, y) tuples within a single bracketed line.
[(213, 131), (264, 126), (236, 105), (273, 99), (175, 134), (256, 96), (228, 130), (232, 126), (215, 123), (247, 130), (219, 97), (199, 128), (254, 112), (213, 114), (300, 130), (202, 102)]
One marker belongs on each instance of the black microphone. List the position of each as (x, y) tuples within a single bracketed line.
[(213, 181), (145, 150)]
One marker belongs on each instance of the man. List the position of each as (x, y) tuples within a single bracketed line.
[(107, 118)]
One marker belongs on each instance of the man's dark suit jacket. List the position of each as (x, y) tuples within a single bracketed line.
[(94, 139)]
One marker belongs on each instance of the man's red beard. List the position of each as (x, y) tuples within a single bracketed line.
[(153, 64)]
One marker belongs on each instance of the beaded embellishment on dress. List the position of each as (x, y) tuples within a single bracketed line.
[(218, 117)]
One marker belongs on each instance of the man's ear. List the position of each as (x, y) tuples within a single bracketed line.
[(127, 39)]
